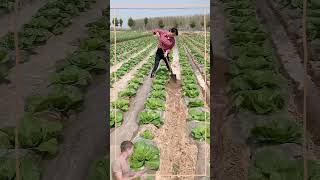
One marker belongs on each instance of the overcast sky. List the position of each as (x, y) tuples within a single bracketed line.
[(124, 14)]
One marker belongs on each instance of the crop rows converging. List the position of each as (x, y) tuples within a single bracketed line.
[(128, 65), (257, 87), (50, 20), (126, 49), (191, 93), (42, 122), (199, 57), (127, 35), (121, 104)]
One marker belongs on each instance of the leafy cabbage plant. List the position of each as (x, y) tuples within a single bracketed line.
[(146, 155), (61, 99), (155, 104), (147, 134), (201, 132), (116, 118), (122, 104), (270, 164), (150, 117), (261, 101), (199, 115), (277, 131), (29, 168), (36, 134), (72, 75)]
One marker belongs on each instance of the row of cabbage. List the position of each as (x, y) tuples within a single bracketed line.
[(200, 41), (257, 87), (42, 122), (121, 104), (199, 57), (127, 35), (125, 49), (191, 94), (50, 20), (129, 64)]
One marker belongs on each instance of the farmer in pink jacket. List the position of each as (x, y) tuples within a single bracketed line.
[(166, 43)]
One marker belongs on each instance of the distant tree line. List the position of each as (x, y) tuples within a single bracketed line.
[(195, 22)]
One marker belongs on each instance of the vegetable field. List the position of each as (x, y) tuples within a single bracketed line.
[(62, 67), (261, 79), (162, 117)]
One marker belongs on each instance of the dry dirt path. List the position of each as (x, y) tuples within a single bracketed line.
[(178, 155)]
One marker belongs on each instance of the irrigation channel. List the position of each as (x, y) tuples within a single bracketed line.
[(258, 91), (169, 120)]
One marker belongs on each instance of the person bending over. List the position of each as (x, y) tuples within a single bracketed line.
[(166, 43)]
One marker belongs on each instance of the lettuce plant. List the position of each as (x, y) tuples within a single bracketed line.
[(147, 134), (146, 155), (201, 132), (150, 117), (34, 133), (277, 131), (72, 75)]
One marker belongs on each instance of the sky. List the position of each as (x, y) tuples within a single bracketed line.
[(124, 14)]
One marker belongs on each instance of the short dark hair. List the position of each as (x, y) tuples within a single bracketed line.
[(174, 30), (126, 145)]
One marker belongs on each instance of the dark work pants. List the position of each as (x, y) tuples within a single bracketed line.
[(159, 56)]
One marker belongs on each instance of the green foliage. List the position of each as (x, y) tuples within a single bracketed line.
[(35, 133), (155, 104), (195, 103), (145, 155), (100, 169), (61, 99), (91, 44), (194, 114), (128, 92), (201, 132), (29, 168), (147, 134), (278, 131), (72, 75), (261, 101), (150, 117), (122, 104), (270, 164), (255, 79), (89, 61), (116, 118), (159, 94)]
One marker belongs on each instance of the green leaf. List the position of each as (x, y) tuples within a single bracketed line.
[(150, 117), (99, 169), (5, 141), (278, 131), (122, 104), (155, 104), (194, 114), (145, 155), (201, 132), (147, 134), (50, 146), (72, 75)]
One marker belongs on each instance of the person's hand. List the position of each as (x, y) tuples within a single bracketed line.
[(166, 54)]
